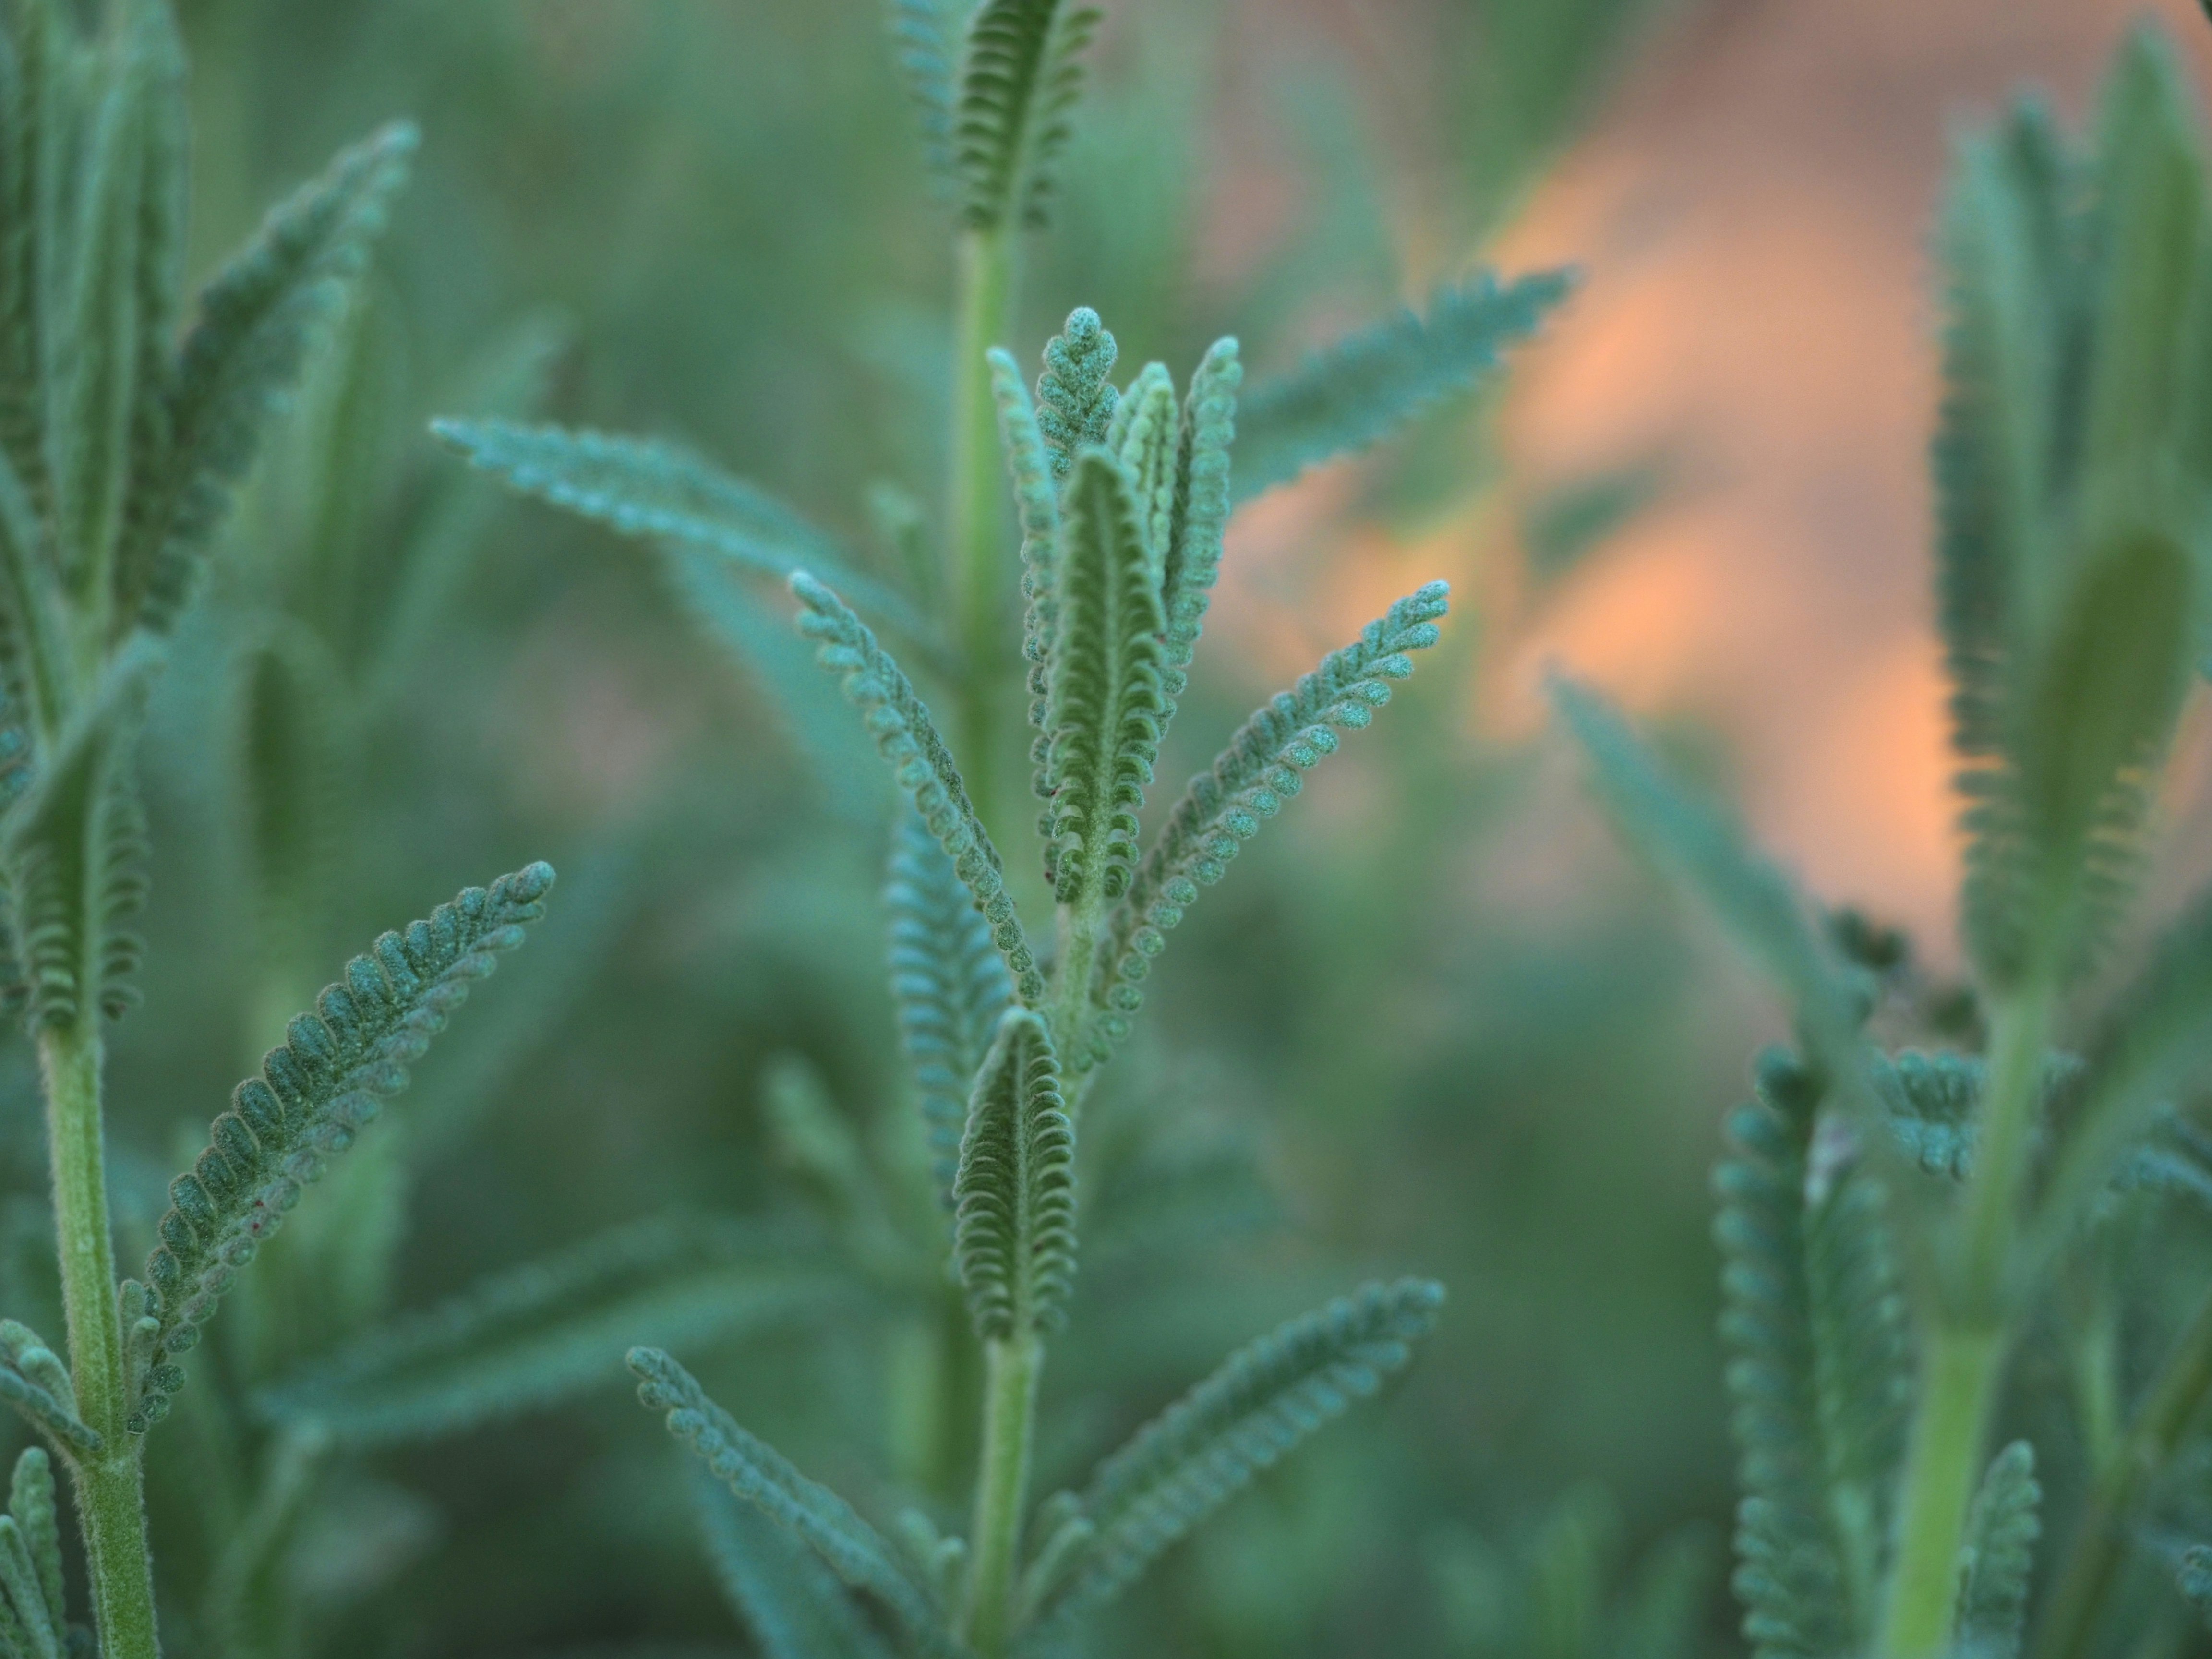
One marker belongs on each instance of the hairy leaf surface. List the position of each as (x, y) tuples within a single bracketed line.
[(763, 1478), (316, 1090), (1366, 385), (1264, 1401), (1014, 1195), (1224, 808)]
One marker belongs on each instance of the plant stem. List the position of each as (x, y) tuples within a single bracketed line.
[(110, 1487), (1001, 1488), (1966, 1351), (2093, 1558), (976, 582)]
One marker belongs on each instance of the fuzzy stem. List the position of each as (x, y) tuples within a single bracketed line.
[(978, 571), (2098, 1546), (1002, 1488), (1966, 1351), (110, 1482)]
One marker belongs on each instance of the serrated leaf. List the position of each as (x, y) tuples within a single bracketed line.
[(907, 739), (1819, 1370), (921, 36), (535, 1336), (1222, 809), (1102, 726), (34, 1381), (763, 1477), (659, 490), (1075, 401), (1199, 513), (1699, 841), (1361, 388), (1014, 1194), (316, 1091), (1265, 1400), (949, 986), (1019, 79), (256, 321), (1999, 1556), (792, 1604)]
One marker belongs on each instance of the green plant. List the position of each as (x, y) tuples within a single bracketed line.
[(120, 450), (1927, 1253), (1121, 495)]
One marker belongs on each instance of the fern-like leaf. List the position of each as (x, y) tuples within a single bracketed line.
[(1819, 1372), (1999, 1555), (34, 1622), (35, 1382), (242, 355), (1365, 385), (792, 1604), (1020, 78), (1102, 713), (1014, 1195), (949, 985), (2154, 1040), (316, 1091), (73, 848), (761, 1475), (1075, 401), (1698, 839), (1265, 1400), (2065, 472), (1146, 435), (921, 39), (907, 739), (660, 491), (1263, 766), (1190, 558), (1036, 498), (537, 1335)]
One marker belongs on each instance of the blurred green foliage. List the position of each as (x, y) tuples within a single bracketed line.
[(708, 221)]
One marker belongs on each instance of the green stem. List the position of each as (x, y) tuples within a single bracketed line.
[(1966, 1350), (1001, 1489), (978, 573), (2098, 1547), (109, 1484)]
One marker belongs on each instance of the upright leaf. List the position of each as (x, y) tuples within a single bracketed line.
[(316, 1090), (243, 353), (949, 986), (921, 39), (1014, 1195), (1145, 436), (1102, 714), (1819, 1375), (1075, 400), (1365, 385), (1020, 78), (1999, 1556), (1191, 554), (2066, 476)]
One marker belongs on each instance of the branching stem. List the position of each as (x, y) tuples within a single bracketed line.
[(1966, 1351)]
